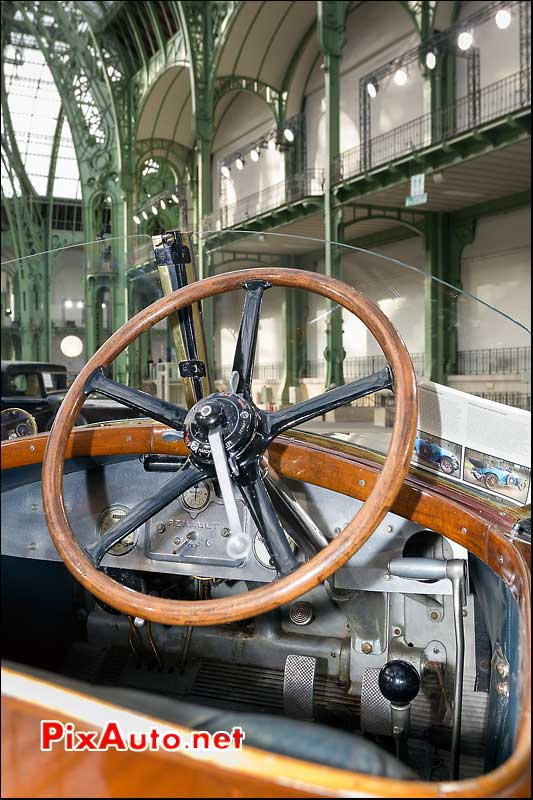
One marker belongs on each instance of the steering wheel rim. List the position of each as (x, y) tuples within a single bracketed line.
[(310, 573)]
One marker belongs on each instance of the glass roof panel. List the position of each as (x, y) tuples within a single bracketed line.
[(34, 105)]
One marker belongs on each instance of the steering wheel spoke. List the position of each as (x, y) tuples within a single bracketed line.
[(153, 407), (289, 417), (243, 362), (266, 519), (185, 479)]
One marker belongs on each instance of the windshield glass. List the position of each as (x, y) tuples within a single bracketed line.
[(469, 344)]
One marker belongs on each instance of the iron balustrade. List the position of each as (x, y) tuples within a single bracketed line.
[(501, 361), (498, 361), (496, 100), (359, 366), (309, 183), (520, 400)]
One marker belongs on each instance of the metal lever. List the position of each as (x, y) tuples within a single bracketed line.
[(220, 459), (429, 569)]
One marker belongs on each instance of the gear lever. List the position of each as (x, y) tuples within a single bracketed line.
[(399, 683)]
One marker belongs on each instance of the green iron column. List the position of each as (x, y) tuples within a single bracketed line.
[(331, 19), (445, 242), (119, 293), (294, 315), (205, 207)]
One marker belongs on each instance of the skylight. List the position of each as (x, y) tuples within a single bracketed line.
[(34, 105)]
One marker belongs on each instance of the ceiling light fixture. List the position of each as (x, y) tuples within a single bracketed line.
[(154, 211), (225, 170), (136, 219), (400, 77), (239, 163), (144, 215), (288, 134), (68, 303), (175, 198), (431, 60), (503, 19), (163, 204), (372, 88), (271, 145), (254, 154), (465, 41), (79, 304)]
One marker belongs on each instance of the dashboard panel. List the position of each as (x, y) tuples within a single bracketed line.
[(191, 536)]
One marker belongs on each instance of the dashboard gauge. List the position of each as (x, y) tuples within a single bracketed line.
[(17, 423), (106, 520), (261, 552), (196, 498)]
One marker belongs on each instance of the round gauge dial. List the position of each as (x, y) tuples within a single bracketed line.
[(261, 552), (108, 518), (196, 498)]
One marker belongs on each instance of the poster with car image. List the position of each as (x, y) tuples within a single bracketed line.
[(475, 442), (438, 454), (497, 475)]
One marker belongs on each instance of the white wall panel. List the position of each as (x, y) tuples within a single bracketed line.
[(497, 268)]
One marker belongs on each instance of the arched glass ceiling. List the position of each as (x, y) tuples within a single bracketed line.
[(34, 106)]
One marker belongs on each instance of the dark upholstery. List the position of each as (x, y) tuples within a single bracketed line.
[(303, 740)]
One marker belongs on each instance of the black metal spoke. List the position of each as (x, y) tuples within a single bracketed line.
[(264, 515), (243, 362), (299, 413), (185, 479), (153, 407)]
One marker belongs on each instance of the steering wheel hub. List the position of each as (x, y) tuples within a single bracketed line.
[(235, 416)]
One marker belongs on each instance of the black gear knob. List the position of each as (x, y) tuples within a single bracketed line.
[(210, 415), (399, 682)]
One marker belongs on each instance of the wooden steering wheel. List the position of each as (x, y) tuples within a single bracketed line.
[(241, 432)]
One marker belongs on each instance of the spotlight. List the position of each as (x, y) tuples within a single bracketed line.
[(225, 170), (271, 145), (239, 163), (79, 304), (431, 60), (68, 303), (464, 41), (103, 305), (503, 19), (163, 204), (372, 88), (400, 77), (254, 154), (154, 211), (144, 215), (289, 135), (175, 198), (8, 312), (136, 219)]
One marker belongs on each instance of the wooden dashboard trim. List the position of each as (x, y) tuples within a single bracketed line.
[(484, 528)]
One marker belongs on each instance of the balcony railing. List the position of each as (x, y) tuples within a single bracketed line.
[(503, 361), (360, 366), (515, 399), (309, 183), (500, 361), (468, 113)]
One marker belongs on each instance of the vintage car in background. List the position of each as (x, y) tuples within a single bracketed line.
[(219, 566), (39, 388), (437, 454), (493, 476)]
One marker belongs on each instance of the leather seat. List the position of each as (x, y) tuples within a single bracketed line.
[(303, 740)]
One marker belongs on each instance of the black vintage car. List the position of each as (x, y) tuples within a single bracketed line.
[(38, 388)]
